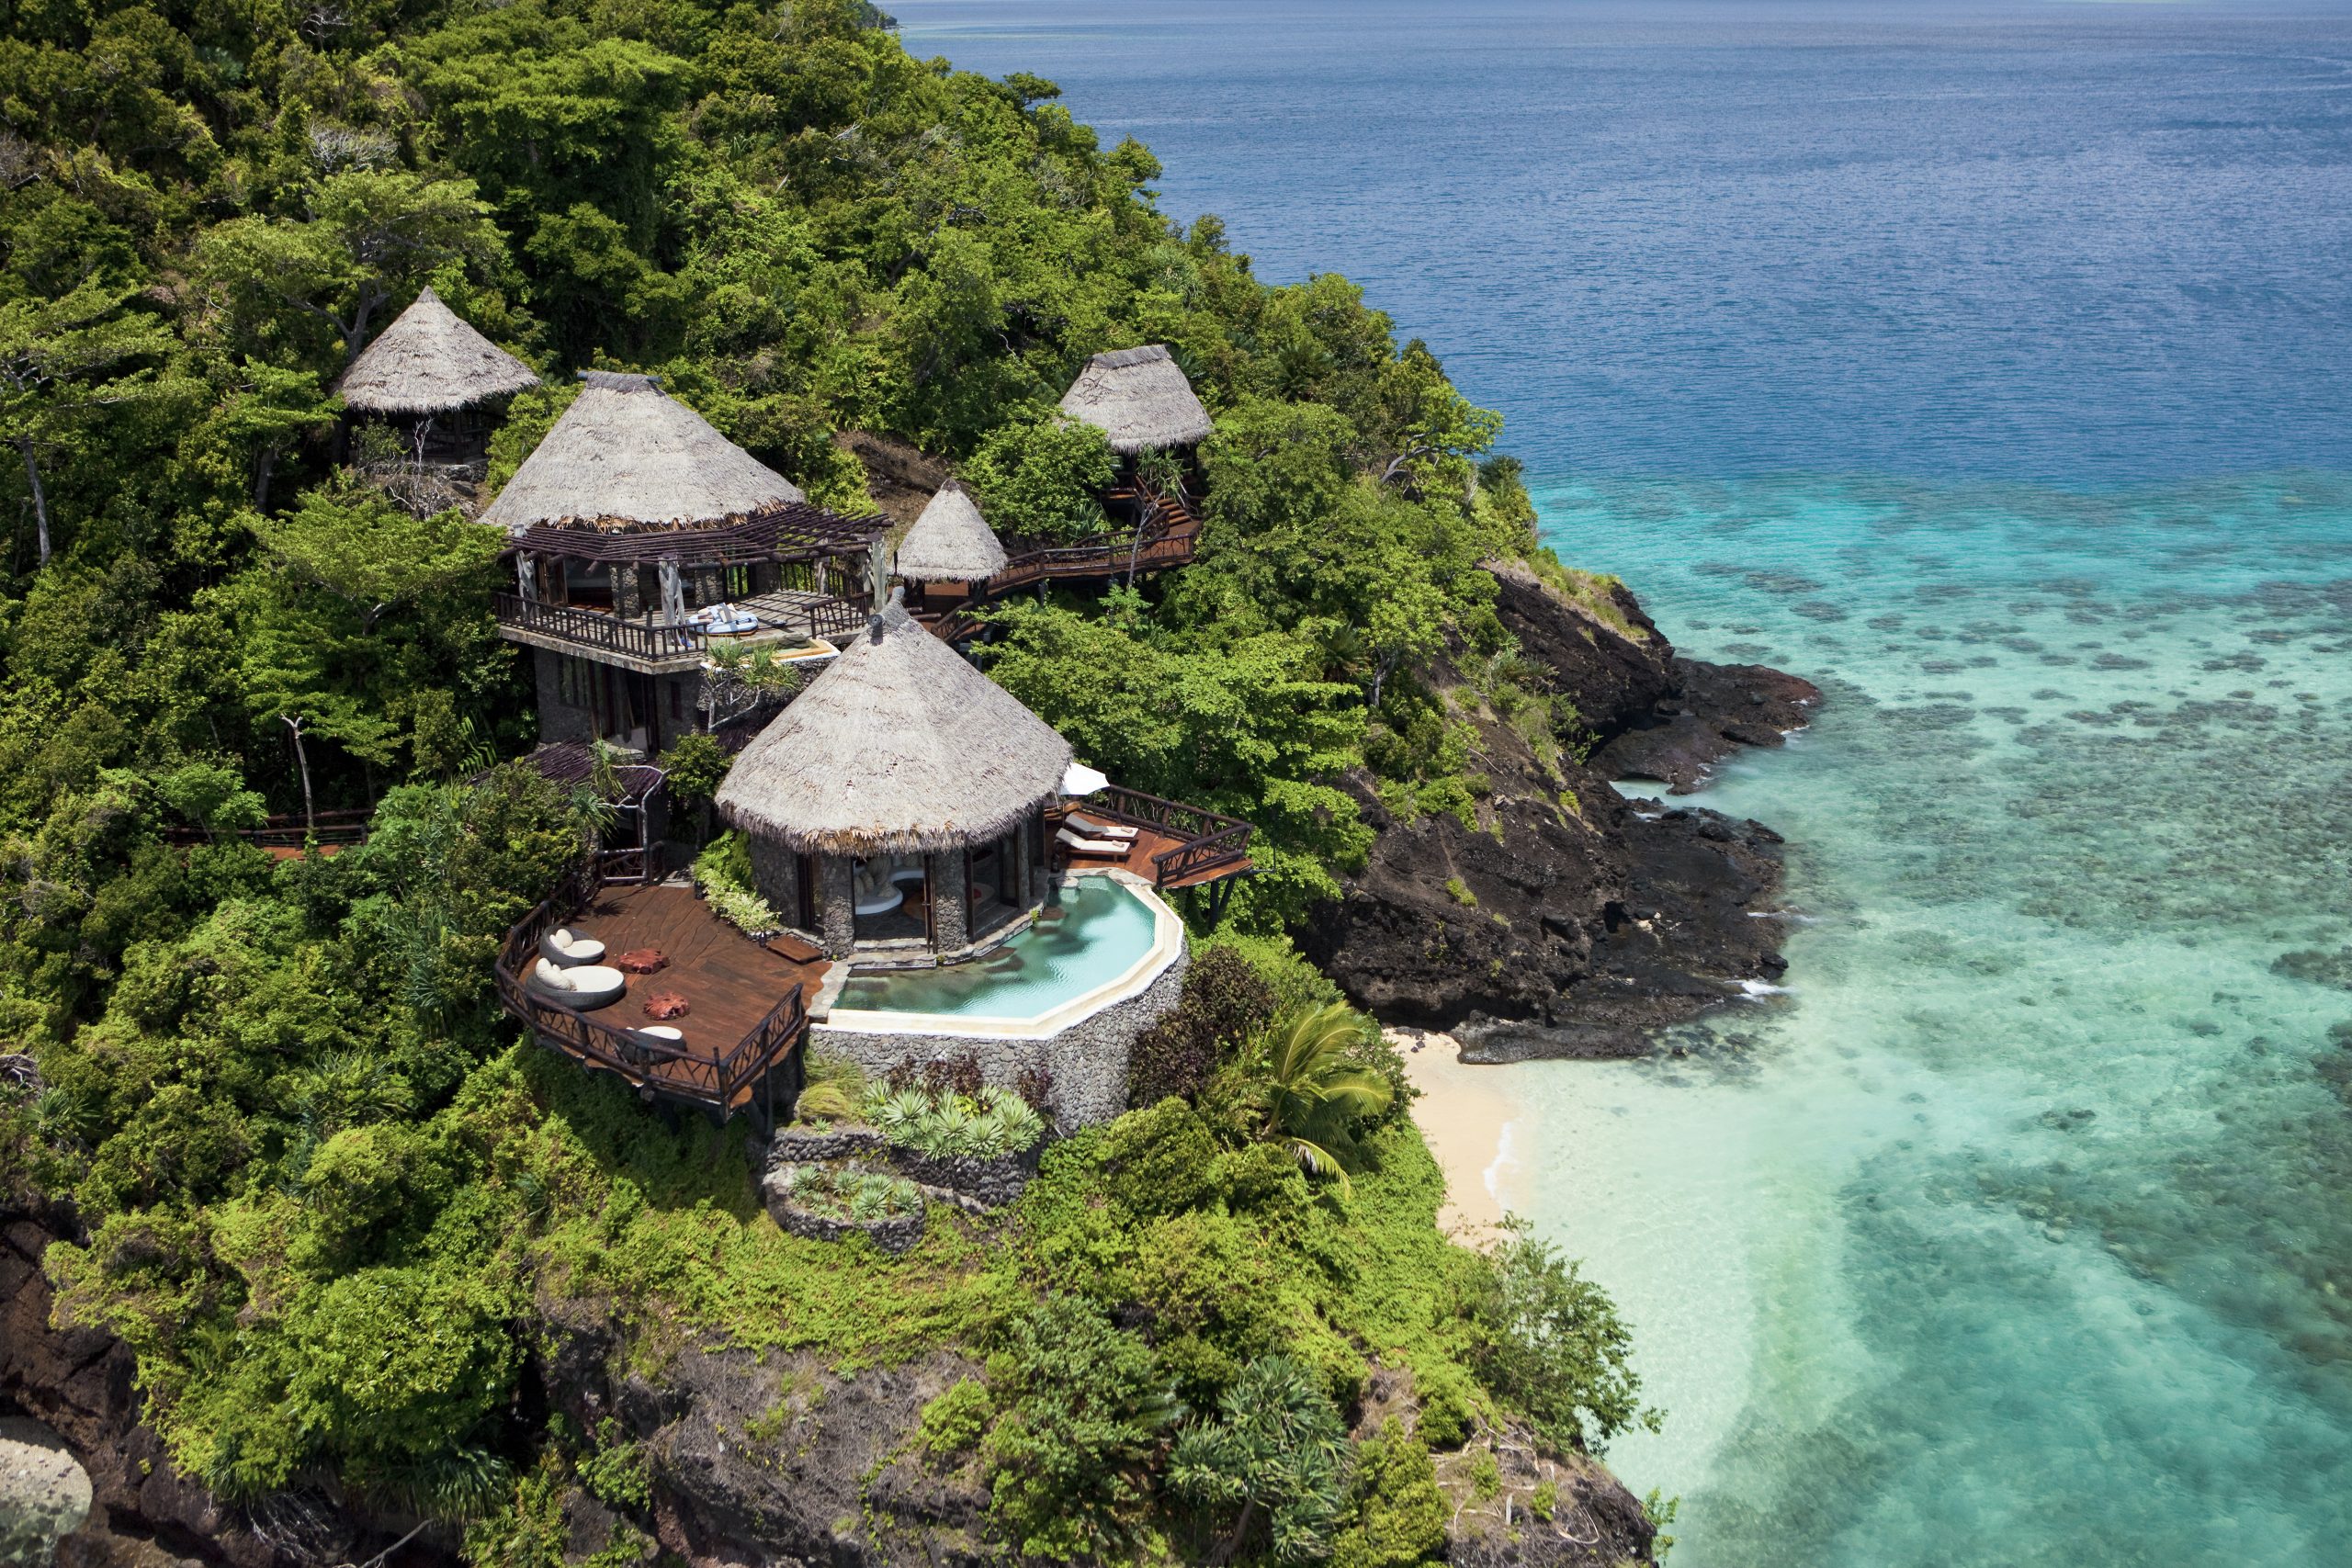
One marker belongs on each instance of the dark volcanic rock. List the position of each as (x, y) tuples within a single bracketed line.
[(761, 1458), (1716, 709), (1568, 920)]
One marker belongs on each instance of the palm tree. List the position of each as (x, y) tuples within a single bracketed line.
[(1309, 1088)]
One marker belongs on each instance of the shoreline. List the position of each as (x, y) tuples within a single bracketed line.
[(1475, 1130)]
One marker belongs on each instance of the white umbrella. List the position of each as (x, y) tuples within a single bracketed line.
[(1080, 779)]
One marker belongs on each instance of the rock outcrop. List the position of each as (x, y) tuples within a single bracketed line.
[(1563, 919)]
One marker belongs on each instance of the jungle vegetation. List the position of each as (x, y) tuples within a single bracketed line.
[(317, 1179)]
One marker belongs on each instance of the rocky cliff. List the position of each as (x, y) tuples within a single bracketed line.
[(1563, 920)]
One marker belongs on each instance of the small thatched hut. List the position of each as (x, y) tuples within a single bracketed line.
[(1140, 398), (627, 456), (951, 542), (900, 800), (430, 362)]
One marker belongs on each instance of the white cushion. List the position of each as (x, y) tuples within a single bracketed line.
[(553, 977)]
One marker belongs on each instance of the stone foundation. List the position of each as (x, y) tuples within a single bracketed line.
[(1087, 1060)]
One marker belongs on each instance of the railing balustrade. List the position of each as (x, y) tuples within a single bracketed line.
[(605, 632)]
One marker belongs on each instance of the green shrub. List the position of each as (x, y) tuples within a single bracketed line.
[(1401, 1514), (956, 1421), (1086, 1411), (1037, 479), (1273, 1463), (616, 1471), (723, 873), (1459, 891), (1224, 1001), (1549, 1343)]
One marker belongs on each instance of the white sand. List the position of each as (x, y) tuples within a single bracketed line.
[(1473, 1127)]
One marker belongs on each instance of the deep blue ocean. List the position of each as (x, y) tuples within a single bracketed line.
[(1992, 366)]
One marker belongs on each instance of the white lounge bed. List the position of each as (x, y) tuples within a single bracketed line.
[(1094, 829), (1083, 846), (581, 987), (565, 950)]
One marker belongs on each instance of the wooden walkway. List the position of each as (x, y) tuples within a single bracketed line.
[(1166, 536)]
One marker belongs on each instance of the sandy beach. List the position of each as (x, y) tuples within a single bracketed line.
[(1473, 1126)]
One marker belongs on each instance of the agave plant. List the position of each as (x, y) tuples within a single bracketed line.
[(896, 1114)]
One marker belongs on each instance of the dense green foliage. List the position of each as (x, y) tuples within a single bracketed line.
[(321, 1185)]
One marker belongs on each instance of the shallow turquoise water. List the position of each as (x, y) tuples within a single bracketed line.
[(2020, 1230), (1086, 934), (2016, 1233)]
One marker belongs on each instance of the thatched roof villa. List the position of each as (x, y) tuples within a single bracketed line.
[(643, 543), (900, 802), (1140, 398), (429, 362), (627, 456)]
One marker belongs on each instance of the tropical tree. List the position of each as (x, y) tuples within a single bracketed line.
[(1305, 1087), (1277, 1454), (63, 359)]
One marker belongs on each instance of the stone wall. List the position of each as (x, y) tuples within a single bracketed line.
[(1087, 1060)]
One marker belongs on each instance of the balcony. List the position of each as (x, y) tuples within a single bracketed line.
[(652, 646)]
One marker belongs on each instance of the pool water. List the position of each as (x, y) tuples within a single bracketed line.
[(1085, 937)]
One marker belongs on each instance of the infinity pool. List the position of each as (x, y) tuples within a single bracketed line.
[(1097, 935)]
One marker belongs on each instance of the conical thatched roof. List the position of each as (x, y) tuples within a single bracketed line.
[(898, 745), (951, 542), (626, 455), (428, 361), (1140, 398)]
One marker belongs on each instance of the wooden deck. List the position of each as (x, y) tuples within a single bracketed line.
[(729, 982), (1149, 843), (747, 1005)]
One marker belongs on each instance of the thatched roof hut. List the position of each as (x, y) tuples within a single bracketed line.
[(628, 455), (951, 542), (898, 745), (1140, 398), (428, 361)]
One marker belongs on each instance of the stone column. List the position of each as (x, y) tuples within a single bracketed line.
[(950, 909), (776, 876), (559, 720), (837, 874)]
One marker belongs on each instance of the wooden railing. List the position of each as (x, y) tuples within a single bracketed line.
[(705, 1077), (291, 831), (600, 630), (1212, 842), (595, 629)]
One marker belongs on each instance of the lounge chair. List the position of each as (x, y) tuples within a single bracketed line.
[(581, 987), (1094, 829), (564, 950), (654, 1042), (1081, 846)]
